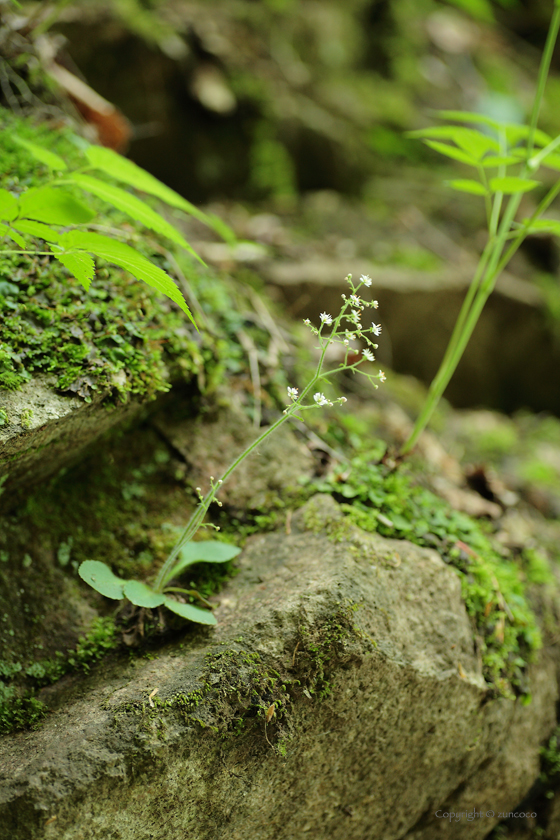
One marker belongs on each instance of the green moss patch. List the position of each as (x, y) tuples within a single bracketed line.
[(20, 681), (389, 501)]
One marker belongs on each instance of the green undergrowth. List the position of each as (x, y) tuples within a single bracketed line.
[(240, 690), (380, 498), (21, 680), (121, 337)]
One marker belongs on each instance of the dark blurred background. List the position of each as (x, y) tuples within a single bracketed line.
[(287, 117)]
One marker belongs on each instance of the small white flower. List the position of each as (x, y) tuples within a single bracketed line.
[(350, 335), (367, 354), (342, 399), (320, 399), (346, 342), (376, 329), (381, 376), (307, 322), (366, 280), (355, 300), (375, 304), (325, 318), (293, 394)]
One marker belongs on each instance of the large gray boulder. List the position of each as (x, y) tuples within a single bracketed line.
[(339, 697)]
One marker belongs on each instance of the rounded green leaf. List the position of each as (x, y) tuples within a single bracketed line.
[(142, 595), (53, 206), (511, 185), (206, 551), (8, 206), (102, 579), (468, 186), (189, 612)]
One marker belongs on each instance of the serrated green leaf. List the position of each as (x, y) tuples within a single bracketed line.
[(37, 229), (80, 265), (134, 207), (206, 551), (142, 595), (452, 152), (499, 160), (102, 579), (544, 226), (126, 257), (472, 142), (125, 170), (7, 231), (52, 160), (53, 206), (511, 185), (469, 117), (189, 612), (468, 186), (8, 206)]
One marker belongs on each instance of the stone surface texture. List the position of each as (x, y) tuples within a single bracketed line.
[(47, 430), (385, 718)]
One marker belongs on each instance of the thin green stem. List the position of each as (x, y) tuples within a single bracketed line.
[(481, 286), (493, 260), (543, 75), (199, 513)]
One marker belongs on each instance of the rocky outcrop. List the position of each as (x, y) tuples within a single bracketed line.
[(340, 697)]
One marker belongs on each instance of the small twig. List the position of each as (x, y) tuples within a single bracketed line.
[(289, 521), (294, 656), (249, 346)]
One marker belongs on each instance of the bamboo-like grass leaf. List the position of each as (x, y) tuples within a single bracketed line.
[(80, 265), (141, 595), (452, 152), (8, 231), (552, 161), (102, 579), (54, 207), (500, 160), (470, 140), (52, 160), (206, 551), (470, 117), (122, 169), (134, 207), (511, 185), (8, 206), (468, 186), (515, 133), (126, 257), (189, 612), (544, 226)]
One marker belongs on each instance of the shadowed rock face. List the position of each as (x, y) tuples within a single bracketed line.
[(363, 648)]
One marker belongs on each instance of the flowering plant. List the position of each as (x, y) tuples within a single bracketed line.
[(345, 329)]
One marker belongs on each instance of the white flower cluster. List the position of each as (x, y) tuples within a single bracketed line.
[(346, 328)]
